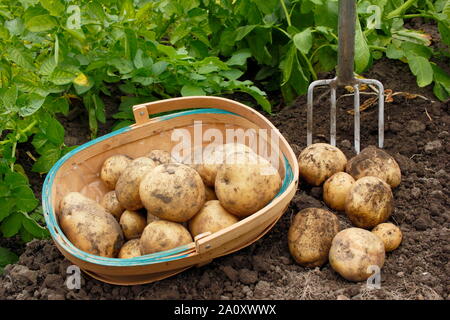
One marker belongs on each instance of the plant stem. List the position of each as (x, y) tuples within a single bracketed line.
[(286, 13), (317, 50), (29, 127), (308, 63), (377, 48), (400, 10), (416, 15)]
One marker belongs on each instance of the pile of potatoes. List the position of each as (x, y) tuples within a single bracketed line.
[(360, 187), (157, 204)]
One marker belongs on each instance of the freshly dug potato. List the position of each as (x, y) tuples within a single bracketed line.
[(375, 162), (151, 218), (369, 202), (112, 204), (127, 188), (163, 235), (336, 188), (130, 249), (320, 161), (112, 168), (353, 251), (390, 234), (209, 194), (244, 188), (173, 192), (160, 157), (89, 226), (212, 217), (132, 224), (310, 236), (207, 160)]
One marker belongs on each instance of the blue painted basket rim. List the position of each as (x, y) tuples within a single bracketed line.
[(56, 232)]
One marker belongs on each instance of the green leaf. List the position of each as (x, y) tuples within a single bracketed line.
[(259, 96), (189, 90), (47, 66), (41, 23), (124, 66), (303, 40), (241, 32), (26, 201), (62, 77), (21, 57), (159, 67), (6, 205), (392, 52), (11, 225), (30, 105), (33, 227), (444, 31), (421, 68), (362, 53), (99, 108), (54, 7), (53, 130), (239, 58), (47, 160), (7, 257)]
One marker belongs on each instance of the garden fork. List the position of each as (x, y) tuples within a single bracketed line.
[(346, 53)]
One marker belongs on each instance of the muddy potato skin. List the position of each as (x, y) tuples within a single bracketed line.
[(132, 224), (336, 188), (89, 226), (151, 218), (310, 236), (173, 192), (390, 234), (361, 166), (320, 161), (130, 249), (160, 156), (112, 168), (127, 188), (353, 250), (387, 164), (112, 204), (163, 235), (212, 217), (245, 188), (209, 194), (369, 202)]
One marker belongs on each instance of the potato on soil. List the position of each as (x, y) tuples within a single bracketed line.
[(130, 249), (127, 188), (163, 235), (245, 186), (132, 224), (209, 194), (89, 227), (212, 217), (369, 202), (160, 156), (336, 188), (354, 252), (320, 161), (375, 162), (112, 168), (173, 192), (390, 234), (112, 204), (310, 236)]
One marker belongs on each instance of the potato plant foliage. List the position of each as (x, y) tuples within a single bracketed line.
[(57, 53)]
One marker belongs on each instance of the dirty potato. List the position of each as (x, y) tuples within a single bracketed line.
[(375, 162), (173, 192), (354, 252), (89, 227), (336, 188), (151, 218), (369, 202), (130, 249), (310, 236), (212, 217), (390, 234), (163, 235), (160, 156), (243, 187), (127, 188), (132, 224), (112, 168), (320, 161), (112, 204)]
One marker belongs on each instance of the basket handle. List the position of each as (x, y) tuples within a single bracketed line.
[(142, 112)]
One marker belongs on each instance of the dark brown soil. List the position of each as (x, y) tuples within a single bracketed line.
[(417, 135)]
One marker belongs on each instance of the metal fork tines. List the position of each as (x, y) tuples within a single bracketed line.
[(332, 83)]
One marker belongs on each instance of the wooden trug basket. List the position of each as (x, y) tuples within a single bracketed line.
[(78, 171)]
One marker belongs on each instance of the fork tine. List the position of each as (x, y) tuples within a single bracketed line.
[(309, 116), (357, 119), (333, 117)]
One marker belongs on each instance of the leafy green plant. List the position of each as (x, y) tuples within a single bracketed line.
[(7, 257)]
